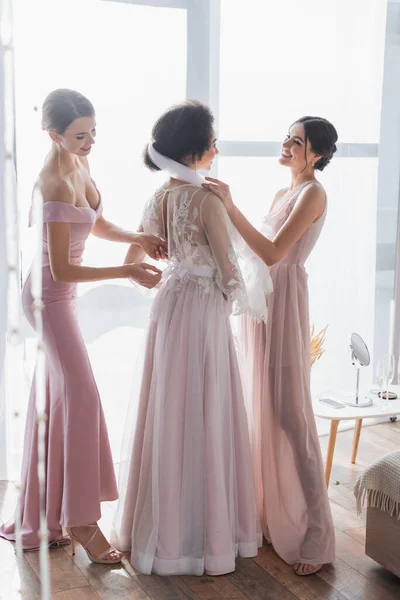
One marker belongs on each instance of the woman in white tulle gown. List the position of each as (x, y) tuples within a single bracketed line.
[(187, 503)]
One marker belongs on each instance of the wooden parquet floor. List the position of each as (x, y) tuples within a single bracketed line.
[(353, 576)]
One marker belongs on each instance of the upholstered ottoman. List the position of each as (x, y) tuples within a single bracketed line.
[(379, 485)]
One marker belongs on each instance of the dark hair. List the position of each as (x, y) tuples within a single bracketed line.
[(182, 133), (323, 137), (62, 107)]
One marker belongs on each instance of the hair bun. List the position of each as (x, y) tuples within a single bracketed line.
[(323, 162)]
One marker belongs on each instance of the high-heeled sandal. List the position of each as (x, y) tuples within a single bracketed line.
[(98, 559), (315, 569)]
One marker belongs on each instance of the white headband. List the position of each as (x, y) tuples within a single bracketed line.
[(173, 168)]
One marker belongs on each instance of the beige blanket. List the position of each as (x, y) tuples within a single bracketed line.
[(380, 484)]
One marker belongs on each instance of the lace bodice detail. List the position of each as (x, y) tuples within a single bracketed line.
[(194, 222)]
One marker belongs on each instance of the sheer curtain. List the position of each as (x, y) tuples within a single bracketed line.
[(11, 349), (110, 52), (3, 280)]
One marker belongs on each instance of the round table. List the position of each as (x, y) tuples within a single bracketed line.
[(349, 413)]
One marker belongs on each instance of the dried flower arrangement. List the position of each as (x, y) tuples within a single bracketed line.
[(317, 341)]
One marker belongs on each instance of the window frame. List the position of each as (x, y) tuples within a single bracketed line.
[(203, 65)]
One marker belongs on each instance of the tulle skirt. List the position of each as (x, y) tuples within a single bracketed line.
[(187, 502)]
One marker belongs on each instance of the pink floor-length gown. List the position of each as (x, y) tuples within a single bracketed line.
[(291, 492), (187, 502), (79, 467)]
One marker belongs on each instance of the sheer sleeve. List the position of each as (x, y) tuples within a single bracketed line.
[(229, 278), (152, 222), (153, 216)]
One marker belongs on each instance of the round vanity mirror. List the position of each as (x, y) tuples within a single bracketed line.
[(359, 350), (360, 358)]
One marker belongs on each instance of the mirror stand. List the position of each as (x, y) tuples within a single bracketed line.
[(354, 400)]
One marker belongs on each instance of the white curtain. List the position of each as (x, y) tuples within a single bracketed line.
[(12, 377), (3, 281), (121, 73)]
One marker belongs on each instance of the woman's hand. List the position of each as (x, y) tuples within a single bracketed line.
[(153, 246), (221, 190), (145, 275)]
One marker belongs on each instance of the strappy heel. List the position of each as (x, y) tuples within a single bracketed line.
[(101, 559)]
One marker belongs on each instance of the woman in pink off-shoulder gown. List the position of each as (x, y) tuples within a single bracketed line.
[(79, 467), (187, 503), (291, 493)]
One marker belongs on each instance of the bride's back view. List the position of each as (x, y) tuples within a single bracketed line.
[(187, 500), (194, 222)]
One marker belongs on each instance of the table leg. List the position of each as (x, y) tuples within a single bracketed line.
[(356, 439), (331, 449)]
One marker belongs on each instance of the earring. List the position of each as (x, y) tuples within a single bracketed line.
[(59, 155)]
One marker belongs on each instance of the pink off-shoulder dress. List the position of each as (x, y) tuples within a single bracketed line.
[(79, 467)]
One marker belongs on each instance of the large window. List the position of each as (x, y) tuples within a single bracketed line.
[(280, 60), (283, 60), (260, 65)]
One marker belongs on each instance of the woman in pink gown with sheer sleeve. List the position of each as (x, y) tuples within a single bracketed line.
[(79, 467), (187, 502), (291, 493)]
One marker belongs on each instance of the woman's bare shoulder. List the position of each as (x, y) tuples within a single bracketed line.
[(315, 191), (55, 188), (311, 200)]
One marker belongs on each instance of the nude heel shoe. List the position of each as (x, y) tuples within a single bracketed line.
[(101, 559)]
